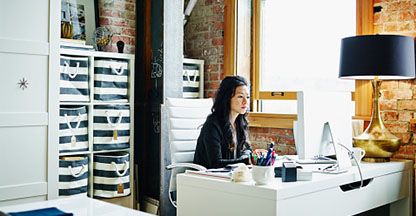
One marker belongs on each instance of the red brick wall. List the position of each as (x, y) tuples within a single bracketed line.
[(203, 39), (283, 138), (119, 16), (398, 98)]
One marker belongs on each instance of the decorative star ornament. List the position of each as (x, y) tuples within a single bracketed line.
[(23, 83)]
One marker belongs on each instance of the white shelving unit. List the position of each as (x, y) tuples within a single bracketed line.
[(199, 64), (127, 201)]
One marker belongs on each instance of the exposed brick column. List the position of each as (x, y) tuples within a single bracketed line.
[(203, 39), (119, 16)]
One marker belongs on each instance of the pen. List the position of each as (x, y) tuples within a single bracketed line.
[(255, 159), (268, 161), (261, 160), (273, 157), (271, 144), (268, 156)]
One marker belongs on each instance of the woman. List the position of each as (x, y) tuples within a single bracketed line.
[(223, 138)]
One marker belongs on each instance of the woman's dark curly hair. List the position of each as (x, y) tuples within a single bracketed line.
[(222, 107)]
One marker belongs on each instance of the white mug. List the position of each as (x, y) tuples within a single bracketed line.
[(358, 154), (262, 175)]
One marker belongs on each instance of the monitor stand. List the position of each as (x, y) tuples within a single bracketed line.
[(343, 160)]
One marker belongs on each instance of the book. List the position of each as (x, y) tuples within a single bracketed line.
[(214, 173), (75, 44), (88, 47), (71, 158), (73, 41)]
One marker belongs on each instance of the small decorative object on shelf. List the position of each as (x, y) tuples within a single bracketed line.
[(102, 37), (120, 46), (67, 31)]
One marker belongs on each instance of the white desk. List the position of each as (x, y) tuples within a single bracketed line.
[(79, 206), (391, 184)]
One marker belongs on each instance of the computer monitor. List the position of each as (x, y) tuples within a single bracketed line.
[(314, 109)]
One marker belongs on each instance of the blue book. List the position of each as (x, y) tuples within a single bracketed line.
[(52, 211)]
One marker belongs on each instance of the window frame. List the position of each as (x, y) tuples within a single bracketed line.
[(363, 90)]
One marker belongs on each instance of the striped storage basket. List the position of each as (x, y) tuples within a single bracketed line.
[(73, 129), (73, 176), (111, 127), (190, 77), (110, 80), (74, 79), (111, 175)]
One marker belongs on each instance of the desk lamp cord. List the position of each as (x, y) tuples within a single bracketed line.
[(351, 154)]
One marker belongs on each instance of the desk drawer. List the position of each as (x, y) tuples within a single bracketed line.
[(380, 191)]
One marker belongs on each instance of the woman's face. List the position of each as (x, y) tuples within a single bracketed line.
[(240, 101)]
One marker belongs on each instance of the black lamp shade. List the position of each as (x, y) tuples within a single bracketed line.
[(386, 56)]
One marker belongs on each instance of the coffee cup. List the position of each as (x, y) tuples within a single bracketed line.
[(358, 155), (262, 175)]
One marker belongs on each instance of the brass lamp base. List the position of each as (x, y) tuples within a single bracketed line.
[(377, 150), (379, 144), (376, 160)]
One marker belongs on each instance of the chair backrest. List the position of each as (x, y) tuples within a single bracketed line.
[(185, 119)]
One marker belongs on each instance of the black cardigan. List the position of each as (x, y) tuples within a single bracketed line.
[(212, 149)]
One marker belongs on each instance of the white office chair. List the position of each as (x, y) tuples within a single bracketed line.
[(185, 118)]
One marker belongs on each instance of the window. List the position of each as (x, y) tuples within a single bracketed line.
[(299, 48), (263, 95)]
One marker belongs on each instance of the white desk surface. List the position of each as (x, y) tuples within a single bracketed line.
[(79, 206), (283, 190), (392, 182)]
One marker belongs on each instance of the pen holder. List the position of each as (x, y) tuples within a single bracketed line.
[(262, 175)]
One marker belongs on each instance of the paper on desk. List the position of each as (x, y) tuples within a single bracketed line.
[(210, 174)]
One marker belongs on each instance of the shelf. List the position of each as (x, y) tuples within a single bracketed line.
[(75, 103), (111, 103), (127, 201), (193, 86), (75, 153), (93, 53), (114, 150), (93, 103)]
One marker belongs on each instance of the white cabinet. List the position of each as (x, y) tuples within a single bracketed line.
[(193, 78), (94, 110), (29, 58), (30, 104)]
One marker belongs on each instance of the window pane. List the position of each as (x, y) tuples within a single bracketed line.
[(279, 106), (285, 106), (300, 44)]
